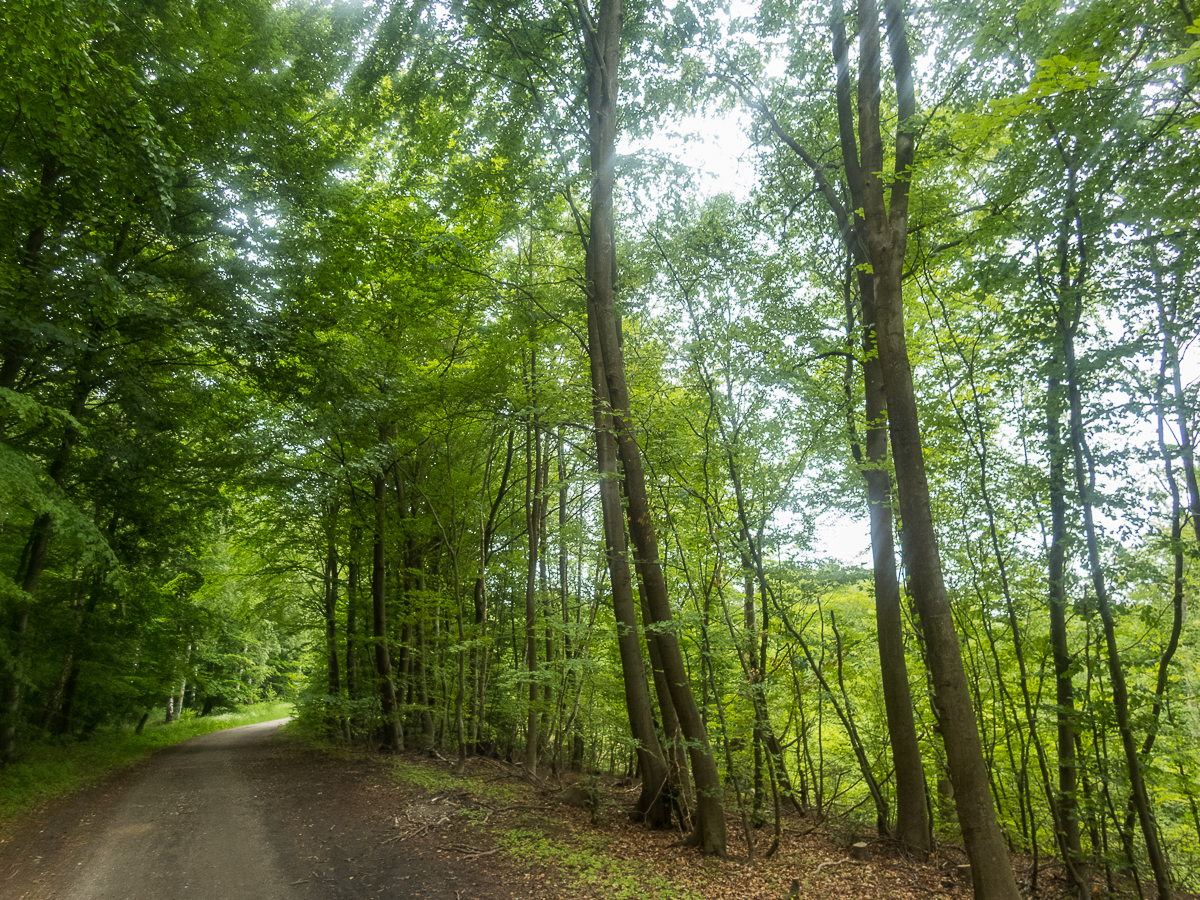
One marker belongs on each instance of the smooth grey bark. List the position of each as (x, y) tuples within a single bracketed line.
[(1070, 836), (533, 518)]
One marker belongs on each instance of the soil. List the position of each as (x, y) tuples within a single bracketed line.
[(338, 824)]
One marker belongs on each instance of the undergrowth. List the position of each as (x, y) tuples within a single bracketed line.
[(586, 861), (50, 770), (438, 780)]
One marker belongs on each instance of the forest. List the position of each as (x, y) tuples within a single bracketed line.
[(789, 404)]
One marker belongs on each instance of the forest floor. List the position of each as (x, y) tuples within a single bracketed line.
[(354, 824), (539, 839), (509, 836)]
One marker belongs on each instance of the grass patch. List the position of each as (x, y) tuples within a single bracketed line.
[(53, 770), (585, 861), (438, 780), (428, 778)]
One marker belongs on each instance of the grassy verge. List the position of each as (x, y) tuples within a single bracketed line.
[(54, 770)]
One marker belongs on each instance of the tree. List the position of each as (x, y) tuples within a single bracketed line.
[(883, 225)]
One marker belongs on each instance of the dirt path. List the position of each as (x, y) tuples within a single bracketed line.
[(249, 814), (236, 814)]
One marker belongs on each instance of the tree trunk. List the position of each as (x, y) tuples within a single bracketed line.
[(533, 519), (912, 820), (602, 53), (651, 807), (1070, 839), (1085, 486), (352, 575), (337, 720), (479, 590), (383, 661), (885, 224), (32, 564)]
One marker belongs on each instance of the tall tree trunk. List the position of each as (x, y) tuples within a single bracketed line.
[(479, 590), (1178, 607), (652, 806), (331, 636), (383, 660), (533, 519), (1085, 487), (602, 54), (32, 564), (1070, 839), (57, 714), (885, 225), (1168, 324), (679, 794), (912, 820), (352, 576)]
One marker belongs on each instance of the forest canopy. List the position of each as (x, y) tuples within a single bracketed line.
[(792, 405)]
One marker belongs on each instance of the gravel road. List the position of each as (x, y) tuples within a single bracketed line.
[(241, 814), (190, 828)]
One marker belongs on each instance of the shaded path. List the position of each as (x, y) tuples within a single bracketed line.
[(241, 814), (190, 828)]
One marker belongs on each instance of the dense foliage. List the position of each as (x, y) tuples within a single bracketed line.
[(396, 359)]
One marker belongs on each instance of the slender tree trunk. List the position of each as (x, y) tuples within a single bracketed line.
[(383, 661), (533, 518), (885, 224), (1187, 451), (57, 715), (32, 564), (602, 53), (479, 590), (1177, 575), (427, 724), (352, 576), (912, 822), (331, 636), (1085, 486), (1070, 839), (754, 680), (652, 806)]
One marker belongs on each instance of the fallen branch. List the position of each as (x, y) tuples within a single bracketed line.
[(839, 862), (500, 809), (471, 852), (401, 837)]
